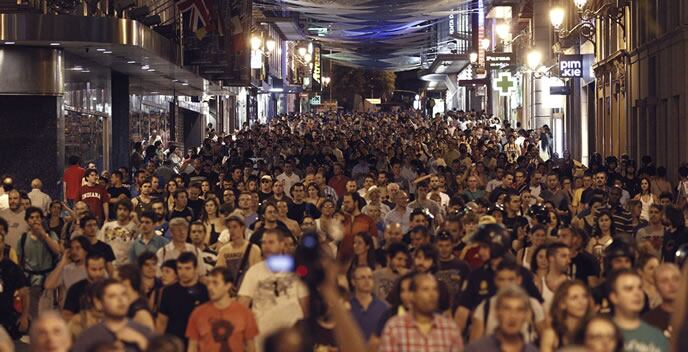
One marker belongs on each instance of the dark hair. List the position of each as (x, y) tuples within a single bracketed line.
[(32, 210), (118, 174), (187, 257), (666, 195), (396, 248), (84, 242), (133, 274), (170, 264), (428, 251), (88, 217), (73, 160), (94, 256), (558, 315), (144, 257), (508, 265), (394, 295), (126, 203), (580, 335), (180, 191), (223, 272), (533, 260), (4, 224), (554, 247), (150, 215), (102, 285), (675, 217), (601, 213)]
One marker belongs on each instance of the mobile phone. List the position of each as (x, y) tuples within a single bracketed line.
[(280, 263)]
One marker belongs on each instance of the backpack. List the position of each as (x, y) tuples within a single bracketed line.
[(22, 257)]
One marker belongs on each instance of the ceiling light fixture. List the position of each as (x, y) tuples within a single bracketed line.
[(107, 52), (54, 44), (9, 43), (151, 70), (100, 49), (145, 67), (131, 62)]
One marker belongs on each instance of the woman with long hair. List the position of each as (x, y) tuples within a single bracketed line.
[(571, 307), (603, 234), (55, 220), (588, 222), (314, 195), (647, 263), (539, 265), (214, 223), (364, 253), (168, 195), (646, 197), (536, 237)]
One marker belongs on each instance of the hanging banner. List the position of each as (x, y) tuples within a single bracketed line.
[(316, 72), (221, 50)]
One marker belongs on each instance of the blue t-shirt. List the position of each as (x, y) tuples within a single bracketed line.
[(644, 338)]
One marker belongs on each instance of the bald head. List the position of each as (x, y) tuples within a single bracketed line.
[(36, 183)]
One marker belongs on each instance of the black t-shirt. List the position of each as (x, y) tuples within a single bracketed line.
[(671, 242), (481, 286), (139, 304), (264, 196), (257, 237), (296, 211), (658, 318), (11, 279), (114, 193), (76, 296), (583, 265), (187, 214), (197, 207), (177, 303), (453, 273), (104, 250)]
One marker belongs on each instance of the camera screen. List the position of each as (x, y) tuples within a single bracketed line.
[(280, 263)]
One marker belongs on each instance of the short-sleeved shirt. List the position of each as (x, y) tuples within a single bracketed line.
[(275, 297), (120, 238), (231, 257), (368, 319), (37, 257), (213, 327), (72, 178), (658, 318), (94, 197), (644, 338), (104, 250), (491, 344), (140, 246), (177, 303), (401, 334), (99, 335), (583, 265)]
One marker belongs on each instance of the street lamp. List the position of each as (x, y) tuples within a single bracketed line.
[(580, 4), (326, 80), (473, 57), (534, 59), (256, 42), (307, 57), (556, 16), (302, 51), (485, 43), (270, 44), (503, 31)]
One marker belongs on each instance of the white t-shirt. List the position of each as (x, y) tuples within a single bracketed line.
[(275, 297), (120, 238), (17, 226), (288, 181), (169, 251), (537, 315)]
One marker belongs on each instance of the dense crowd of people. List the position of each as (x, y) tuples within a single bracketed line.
[(451, 233)]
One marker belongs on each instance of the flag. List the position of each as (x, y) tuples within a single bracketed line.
[(199, 19)]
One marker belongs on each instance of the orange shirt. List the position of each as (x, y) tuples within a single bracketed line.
[(216, 329), (360, 223)]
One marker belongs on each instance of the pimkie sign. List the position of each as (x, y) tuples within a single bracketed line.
[(571, 66)]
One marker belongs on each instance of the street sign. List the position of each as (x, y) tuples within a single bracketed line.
[(559, 90), (315, 100), (505, 84), (498, 60), (571, 66)]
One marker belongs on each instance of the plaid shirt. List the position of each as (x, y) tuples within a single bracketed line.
[(401, 334)]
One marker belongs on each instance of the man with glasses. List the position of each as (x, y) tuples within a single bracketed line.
[(401, 214)]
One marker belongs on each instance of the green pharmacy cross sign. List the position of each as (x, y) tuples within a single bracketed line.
[(505, 84)]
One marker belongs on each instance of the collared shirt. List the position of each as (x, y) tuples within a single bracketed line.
[(491, 344), (169, 251), (140, 246), (401, 334), (402, 219), (40, 200), (367, 319)]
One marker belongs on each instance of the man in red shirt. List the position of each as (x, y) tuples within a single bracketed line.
[(71, 180), (223, 324), (354, 223), (338, 181), (95, 196)]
